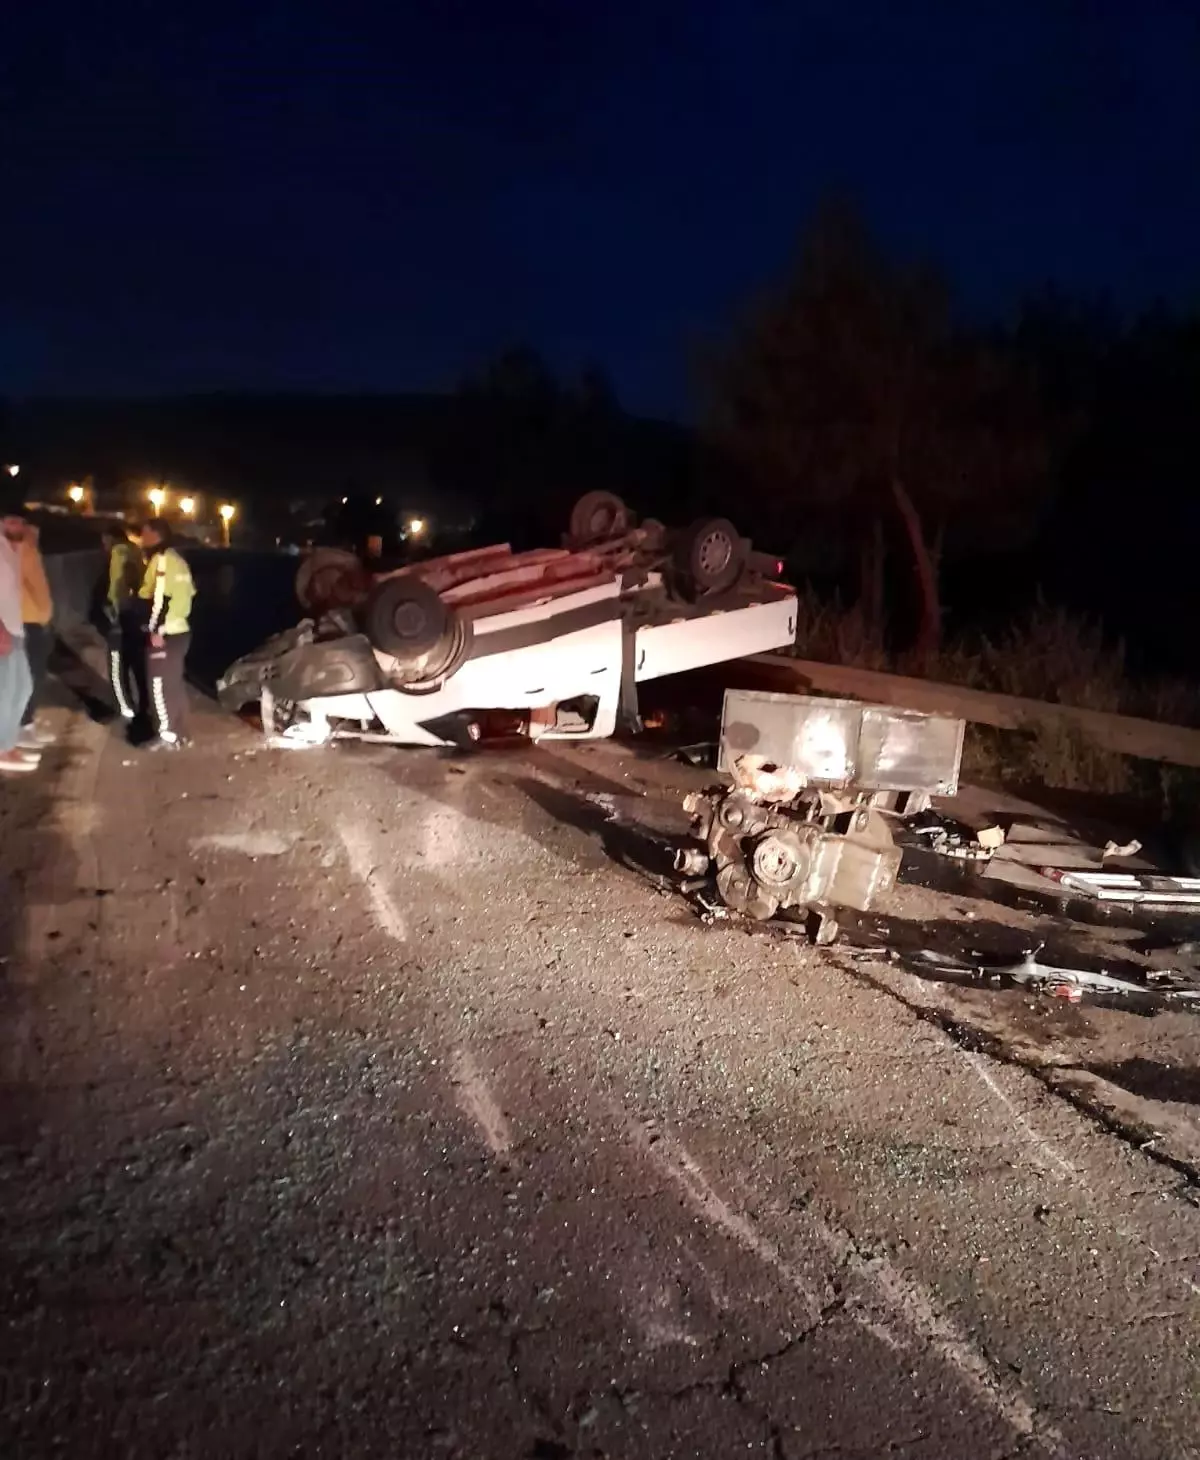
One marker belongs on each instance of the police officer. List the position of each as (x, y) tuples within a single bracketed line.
[(126, 614), (168, 590)]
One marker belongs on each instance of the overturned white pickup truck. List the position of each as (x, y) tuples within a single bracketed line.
[(547, 644)]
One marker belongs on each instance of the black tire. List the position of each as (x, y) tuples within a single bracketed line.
[(405, 618), (437, 667), (709, 557), (598, 515), (331, 578)]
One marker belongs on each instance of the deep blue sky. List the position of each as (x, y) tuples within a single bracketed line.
[(295, 194)]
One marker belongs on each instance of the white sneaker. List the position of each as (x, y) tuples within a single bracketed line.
[(19, 762)]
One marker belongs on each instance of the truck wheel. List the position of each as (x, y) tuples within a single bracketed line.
[(331, 578), (709, 557), (407, 620), (438, 666), (598, 515)]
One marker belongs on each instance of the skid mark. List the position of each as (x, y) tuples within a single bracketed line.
[(475, 1098), (680, 1166), (905, 1304), (1048, 1158), (358, 851), (444, 832), (1058, 1165)]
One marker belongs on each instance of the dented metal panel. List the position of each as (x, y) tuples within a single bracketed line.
[(814, 736), (842, 742), (905, 750)]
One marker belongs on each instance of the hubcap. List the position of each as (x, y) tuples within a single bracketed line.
[(714, 553), (409, 620)]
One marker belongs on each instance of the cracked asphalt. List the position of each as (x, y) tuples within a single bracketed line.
[(371, 1103)]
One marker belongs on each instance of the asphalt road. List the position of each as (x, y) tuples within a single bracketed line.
[(369, 1103)]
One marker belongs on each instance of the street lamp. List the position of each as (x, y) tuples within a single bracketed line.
[(157, 497), (416, 527), (379, 501), (187, 505), (12, 468), (226, 512), (75, 492)]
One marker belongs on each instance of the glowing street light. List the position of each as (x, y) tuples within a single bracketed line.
[(75, 492), (157, 498), (379, 501), (226, 512), (187, 505), (12, 468), (416, 527)]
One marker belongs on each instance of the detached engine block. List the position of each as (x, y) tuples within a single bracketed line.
[(769, 857), (802, 826)]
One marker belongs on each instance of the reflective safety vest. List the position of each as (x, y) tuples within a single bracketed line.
[(126, 570), (169, 589)]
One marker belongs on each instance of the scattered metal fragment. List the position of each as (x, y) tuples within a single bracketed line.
[(951, 838), (1069, 983), (702, 754), (1128, 887)]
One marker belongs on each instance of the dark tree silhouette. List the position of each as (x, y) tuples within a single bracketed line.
[(849, 388)]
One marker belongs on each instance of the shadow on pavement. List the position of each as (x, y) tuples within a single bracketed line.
[(82, 682), (1152, 1080), (637, 848)]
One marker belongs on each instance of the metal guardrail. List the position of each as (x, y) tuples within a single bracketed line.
[(1125, 734)]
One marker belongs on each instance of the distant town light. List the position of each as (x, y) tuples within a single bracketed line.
[(416, 526), (157, 497), (226, 512), (75, 492), (187, 505)]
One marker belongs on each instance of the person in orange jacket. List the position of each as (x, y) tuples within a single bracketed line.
[(37, 610)]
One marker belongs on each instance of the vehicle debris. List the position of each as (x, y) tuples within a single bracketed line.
[(1071, 983), (702, 754), (1112, 849), (1143, 888), (797, 829), (486, 644), (951, 838)]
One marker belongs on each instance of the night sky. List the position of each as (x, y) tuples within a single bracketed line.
[(375, 196)]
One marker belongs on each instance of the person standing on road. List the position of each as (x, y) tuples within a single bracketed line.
[(169, 590), (15, 681), (37, 609), (126, 612)]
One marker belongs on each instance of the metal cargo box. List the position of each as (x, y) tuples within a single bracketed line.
[(842, 742)]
